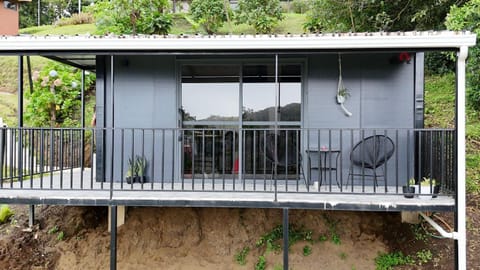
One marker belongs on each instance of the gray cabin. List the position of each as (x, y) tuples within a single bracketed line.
[(321, 121)]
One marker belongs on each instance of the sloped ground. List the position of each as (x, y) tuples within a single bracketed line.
[(209, 238)]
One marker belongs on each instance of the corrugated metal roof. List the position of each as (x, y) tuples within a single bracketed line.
[(332, 41)]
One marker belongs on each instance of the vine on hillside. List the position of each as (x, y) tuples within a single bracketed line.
[(56, 99)]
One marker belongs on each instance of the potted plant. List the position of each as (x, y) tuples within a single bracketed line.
[(141, 165), (409, 189), (429, 186), (132, 171)]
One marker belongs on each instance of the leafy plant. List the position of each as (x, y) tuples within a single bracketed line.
[(307, 250), (263, 15), (427, 182), (424, 256), (332, 226), (261, 263), (132, 170), (300, 6), (386, 261), (53, 230), (210, 14), (56, 98), (241, 256), (140, 166), (5, 213), (61, 236), (132, 17), (343, 256)]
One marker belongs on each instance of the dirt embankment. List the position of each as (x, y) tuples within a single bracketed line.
[(200, 238)]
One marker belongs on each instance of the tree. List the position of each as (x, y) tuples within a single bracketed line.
[(55, 100), (132, 17), (377, 15), (263, 15), (210, 14), (467, 17)]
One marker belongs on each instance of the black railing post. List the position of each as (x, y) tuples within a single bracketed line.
[(113, 237)]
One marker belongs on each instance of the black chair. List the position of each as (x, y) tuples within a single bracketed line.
[(370, 154), (287, 152)]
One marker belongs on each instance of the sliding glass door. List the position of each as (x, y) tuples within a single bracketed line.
[(229, 110)]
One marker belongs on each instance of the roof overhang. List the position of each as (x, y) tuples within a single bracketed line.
[(86, 47)]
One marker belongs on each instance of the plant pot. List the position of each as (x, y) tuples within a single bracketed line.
[(425, 190), (408, 191), (140, 179), (130, 179)]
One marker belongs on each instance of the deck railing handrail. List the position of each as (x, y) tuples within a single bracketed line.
[(214, 159)]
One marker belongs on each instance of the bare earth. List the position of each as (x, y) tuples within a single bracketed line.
[(208, 238)]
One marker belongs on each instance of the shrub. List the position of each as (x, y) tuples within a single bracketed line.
[(263, 15), (82, 18), (131, 17), (300, 6), (5, 213), (210, 14)]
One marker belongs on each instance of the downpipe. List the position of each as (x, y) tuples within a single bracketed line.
[(440, 230)]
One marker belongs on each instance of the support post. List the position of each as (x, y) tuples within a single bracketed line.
[(113, 238), (285, 239), (82, 93), (460, 213), (31, 215)]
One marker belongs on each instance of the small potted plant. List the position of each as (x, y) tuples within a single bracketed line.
[(141, 165), (409, 189), (429, 186), (132, 171)]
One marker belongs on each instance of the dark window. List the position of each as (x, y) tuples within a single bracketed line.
[(10, 5)]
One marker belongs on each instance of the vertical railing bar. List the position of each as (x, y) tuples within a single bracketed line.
[(132, 157), (184, 155), (20, 157), (174, 136), (339, 156), (203, 159), (320, 172), (122, 157), (264, 160), (152, 166), (419, 156), (409, 173), (194, 147), (13, 134), (71, 158), (362, 153), (330, 159), (309, 165), (286, 159), (213, 159), (396, 162), (144, 177), (298, 170), (32, 152), (41, 145), (242, 164), (223, 159), (82, 155), (254, 160), (163, 160), (112, 166), (385, 171), (431, 160), (233, 159), (443, 161), (91, 155), (61, 157)]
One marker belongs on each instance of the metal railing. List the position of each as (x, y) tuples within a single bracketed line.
[(274, 160)]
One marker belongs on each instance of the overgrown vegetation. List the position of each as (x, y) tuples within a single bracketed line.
[(263, 15), (56, 98), (386, 261), (132, 17), (210, 14)]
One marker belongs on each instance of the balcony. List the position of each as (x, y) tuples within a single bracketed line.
[(293, 167)]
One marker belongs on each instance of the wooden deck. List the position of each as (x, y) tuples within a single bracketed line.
[(70, 188)]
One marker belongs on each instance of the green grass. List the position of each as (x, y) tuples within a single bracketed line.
[(60, 30), (440, 101)]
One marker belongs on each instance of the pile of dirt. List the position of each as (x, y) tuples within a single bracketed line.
[(209, 238)]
